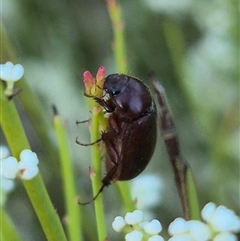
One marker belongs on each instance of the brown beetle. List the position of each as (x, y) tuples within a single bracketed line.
[(131, 132)]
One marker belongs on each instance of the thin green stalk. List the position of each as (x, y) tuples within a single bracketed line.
[(192, 196), (126, 196), (118, 39), (36, 190), (73, 219), (38, 118), (7, 229), (96, 174), (121, 64), (93, 87)]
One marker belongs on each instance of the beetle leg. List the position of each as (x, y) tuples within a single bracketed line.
[(81, 122), (87, 144), (110, 175), (113, 129), (107, 105), (112, 148), (95, 197)]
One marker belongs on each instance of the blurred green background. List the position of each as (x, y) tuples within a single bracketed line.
[(191, 45)]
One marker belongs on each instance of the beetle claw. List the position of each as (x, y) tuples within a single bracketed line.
[(94, 198), (87, 144)]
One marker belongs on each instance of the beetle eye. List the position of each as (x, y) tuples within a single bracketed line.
[(115, 92)]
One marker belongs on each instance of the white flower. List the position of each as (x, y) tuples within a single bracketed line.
[(225, 220), (146, 189), (29, 156), (6, 184), (182, 237), (221, 219), (156, 238), (134, 217), (134, 236), (10, 72), (28, 172), (154, 227), (178, 226), (220, 225), (27, 167), (208, 211), (225, 237), (9, 167), (118, 224), (141, 230), (198, 230), (4, 152), (189, 230)]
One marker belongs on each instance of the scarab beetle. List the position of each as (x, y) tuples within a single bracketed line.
[(131, 132)]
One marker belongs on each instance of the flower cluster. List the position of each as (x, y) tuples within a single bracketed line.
[(10, 73), (10, 168), (219, 224), (6, 184), (26, 168), (93, 86), (136, 228)]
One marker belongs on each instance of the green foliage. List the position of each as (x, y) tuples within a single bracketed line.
[(192, 48)]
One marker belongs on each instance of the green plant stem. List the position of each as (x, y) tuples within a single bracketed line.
[(96, 175), (7, 229), (118, 39), (73, 219), (97, 119), (17, 140), (38, 118), (192, 196), (121, 64), (126, 196)]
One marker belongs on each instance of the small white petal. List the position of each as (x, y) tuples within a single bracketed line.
[(154, 227), (118, 224), (199, 230), (134, 236), (225, 237), (178, 226), (25, 163), (17, 72), (208, 211), (156, 238), (27, 154), (182, 237), (6, 184), (10, 72), (4, 152), (9, 167), (225, 220), (5, 69), (134, 217), (29, 173)]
